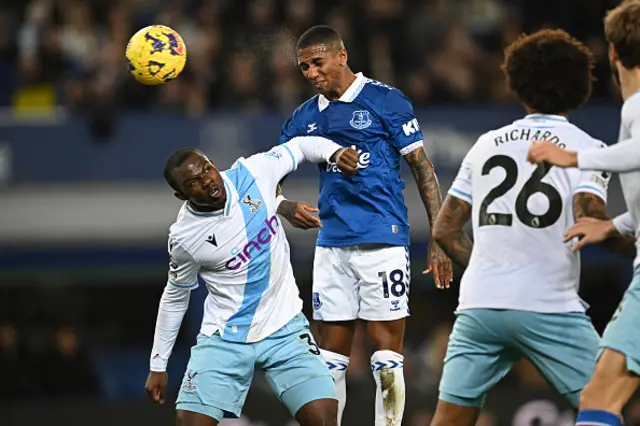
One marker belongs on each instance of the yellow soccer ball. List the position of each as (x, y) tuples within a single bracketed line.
[(155, 55)]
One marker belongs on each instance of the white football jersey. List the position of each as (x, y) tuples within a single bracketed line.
[(520, 213), (241, 253), (630, 181)]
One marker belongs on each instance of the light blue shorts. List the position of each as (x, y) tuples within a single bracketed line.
[(219, 372), (485, 343), (623, 331)]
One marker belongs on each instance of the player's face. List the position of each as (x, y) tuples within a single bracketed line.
[(322, 65), (201, 183)]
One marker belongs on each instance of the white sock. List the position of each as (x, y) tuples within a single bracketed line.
[(338, 368), (388, 372)]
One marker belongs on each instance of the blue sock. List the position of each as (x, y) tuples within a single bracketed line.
[(597, 418)]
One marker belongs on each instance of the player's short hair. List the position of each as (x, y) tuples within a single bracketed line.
[(320, 34), (622, 30), (550, 71), (174, 161)]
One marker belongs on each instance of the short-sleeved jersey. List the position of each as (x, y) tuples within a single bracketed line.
[(520, 213), (377, 121), (241, 252)]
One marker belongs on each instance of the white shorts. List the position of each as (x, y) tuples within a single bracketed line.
[(369, 282)]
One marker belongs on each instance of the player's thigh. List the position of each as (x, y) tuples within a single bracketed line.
[(562, 346), (384, 277), (452, 414), (217, 378), (334, 295), (622, 334), (478, 356), (293, 366), (190, 418), (320, 412)]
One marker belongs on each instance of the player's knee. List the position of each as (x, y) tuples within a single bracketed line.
[(589, 397), (610, 386), (337, 337), (387, 335), (190, 418)]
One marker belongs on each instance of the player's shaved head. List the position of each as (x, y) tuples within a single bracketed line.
[(174, 161), (549, 71), (320, 35)]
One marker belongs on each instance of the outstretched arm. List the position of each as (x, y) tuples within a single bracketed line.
[(449, 233), (429, 189), (621, 157)]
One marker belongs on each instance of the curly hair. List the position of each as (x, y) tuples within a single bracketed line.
[(622, 30), (550, 71)]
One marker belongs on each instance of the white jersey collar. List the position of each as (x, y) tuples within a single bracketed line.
[(550, 117), (349, 95)]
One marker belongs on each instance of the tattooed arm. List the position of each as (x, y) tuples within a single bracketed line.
[(449, 233), (429, 188), (586, 205)]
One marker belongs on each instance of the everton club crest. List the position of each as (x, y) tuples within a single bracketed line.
[(360, 120)]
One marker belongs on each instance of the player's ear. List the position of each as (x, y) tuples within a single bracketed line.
[(613, 55), (342, 57), (179, 196)]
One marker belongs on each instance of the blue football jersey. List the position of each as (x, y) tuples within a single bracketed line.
[(378, 121)]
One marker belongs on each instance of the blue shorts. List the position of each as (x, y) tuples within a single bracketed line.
[(219, 372), (623, 331), (485, 343)]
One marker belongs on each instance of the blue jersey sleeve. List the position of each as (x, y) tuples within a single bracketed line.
[(400, 120), (288, 130)]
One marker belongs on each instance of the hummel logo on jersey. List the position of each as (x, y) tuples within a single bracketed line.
[(410, 127), (254, 206), (212, 240), (312, 128)]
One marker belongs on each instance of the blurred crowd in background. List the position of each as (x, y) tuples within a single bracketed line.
[(241, 53)]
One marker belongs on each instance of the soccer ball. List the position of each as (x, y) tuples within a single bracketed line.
[(155, 55)]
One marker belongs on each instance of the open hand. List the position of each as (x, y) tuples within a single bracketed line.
[(440, 265), (590, 231), (299, 214)]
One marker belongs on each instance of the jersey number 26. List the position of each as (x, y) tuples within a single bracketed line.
[(533, 185)]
